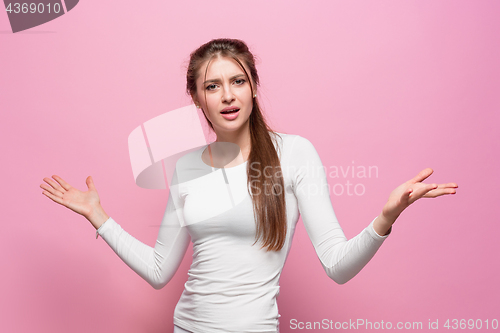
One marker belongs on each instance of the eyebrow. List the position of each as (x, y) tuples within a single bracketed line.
[(218, 80)]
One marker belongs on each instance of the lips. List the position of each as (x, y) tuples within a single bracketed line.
[(230, 109)]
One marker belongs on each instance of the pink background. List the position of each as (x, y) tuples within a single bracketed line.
[(401, 85)]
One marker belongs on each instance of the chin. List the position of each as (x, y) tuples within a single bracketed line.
[(232, 127)]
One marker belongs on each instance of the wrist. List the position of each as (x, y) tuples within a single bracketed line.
[(97, 217), (387, 220), (382, 225)]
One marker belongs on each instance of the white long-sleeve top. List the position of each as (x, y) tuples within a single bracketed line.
[(233, 284)]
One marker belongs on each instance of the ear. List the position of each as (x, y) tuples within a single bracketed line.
[(254, 89)]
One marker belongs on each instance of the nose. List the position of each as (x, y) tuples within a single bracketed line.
[(227, 95)]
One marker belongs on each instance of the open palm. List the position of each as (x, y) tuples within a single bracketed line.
[(412, 190), (64, 194)]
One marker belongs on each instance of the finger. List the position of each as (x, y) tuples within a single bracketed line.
[(421, 191), (454, 185), (54, 185), (90, 184), (448, 188), (65, 185), (422, 175), (51, 190), (441, 191), (53, 197), (405, 198)]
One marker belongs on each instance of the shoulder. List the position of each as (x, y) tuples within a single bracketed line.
[(296, 147), (290, 141)]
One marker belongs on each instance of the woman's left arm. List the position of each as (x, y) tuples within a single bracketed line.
[(343, 258), (406, 194)]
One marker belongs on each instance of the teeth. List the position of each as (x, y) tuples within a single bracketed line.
[(229, 111)]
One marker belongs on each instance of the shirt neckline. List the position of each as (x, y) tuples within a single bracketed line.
[(205, 164)]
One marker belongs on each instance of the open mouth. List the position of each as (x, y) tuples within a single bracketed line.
[(230, 111)]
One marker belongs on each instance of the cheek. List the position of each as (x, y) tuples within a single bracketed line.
[(211, 101), (210, 105), (249, 101)]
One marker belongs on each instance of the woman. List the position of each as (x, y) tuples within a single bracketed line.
[(240, 249)]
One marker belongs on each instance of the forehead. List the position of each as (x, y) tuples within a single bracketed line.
[(219, 67)]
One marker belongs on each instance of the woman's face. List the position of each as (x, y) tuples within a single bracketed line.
[(224, 88)]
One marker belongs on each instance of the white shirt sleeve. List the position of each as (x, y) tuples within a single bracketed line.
[(155, 265), (342, 259)]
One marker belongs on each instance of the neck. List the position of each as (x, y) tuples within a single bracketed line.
[(241, 137)]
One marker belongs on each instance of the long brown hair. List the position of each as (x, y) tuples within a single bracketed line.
[(267, 191)]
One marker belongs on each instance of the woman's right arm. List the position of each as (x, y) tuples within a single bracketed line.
[(158, 264), (155, 265)]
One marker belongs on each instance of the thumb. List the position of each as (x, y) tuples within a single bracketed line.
[(90, 183), (406, 196)]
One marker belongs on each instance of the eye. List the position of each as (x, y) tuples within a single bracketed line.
[(239, 82), (211, 86)]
